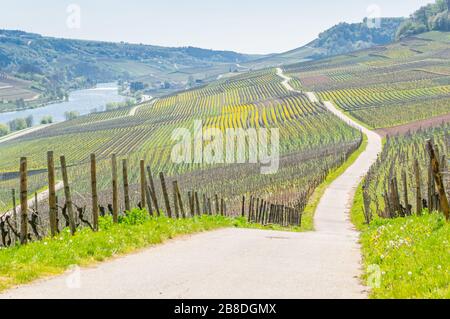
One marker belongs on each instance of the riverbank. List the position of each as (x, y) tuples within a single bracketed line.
[(81, 101)]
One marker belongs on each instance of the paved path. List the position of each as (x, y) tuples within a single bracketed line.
[(238, 263), (134, 110), (21, 133)]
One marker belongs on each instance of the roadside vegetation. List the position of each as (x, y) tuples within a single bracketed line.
[(408, 257)]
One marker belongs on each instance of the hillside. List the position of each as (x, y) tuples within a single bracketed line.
[(385, 86), (432, 17), (340, 39), (60, 64)]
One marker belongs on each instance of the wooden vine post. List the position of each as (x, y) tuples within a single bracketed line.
[(191, 203), (165, 194), (23, 201), (439, 181), (405, 192), (153, 191), (126, 185), (179, 199), (115, 189), (13, 193), (68, 195), (51, 193), (143, 184), (175, 200), (418, 188), (94, 192)]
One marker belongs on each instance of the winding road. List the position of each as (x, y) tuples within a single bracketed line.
[(238, 263)]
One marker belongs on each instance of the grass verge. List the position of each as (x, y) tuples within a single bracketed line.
[(410, 256), (308, 215), (53, 256)]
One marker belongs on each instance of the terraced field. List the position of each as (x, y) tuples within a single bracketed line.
[(312, 141), (385, 86)]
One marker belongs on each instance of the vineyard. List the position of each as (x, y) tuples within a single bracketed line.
[(254, 100), (402, 183), (385, 86)]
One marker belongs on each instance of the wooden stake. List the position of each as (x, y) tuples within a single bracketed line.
[(51, 192), (444, 205), (191, 203), (418, 188), (180, 200), (126, 191), (68, 196), (405, 193), (153, 191), (23, 201), (216, 200), (94, 192), (143, 184), (115, 189), (165, 194), (197, 204), (175, 199)]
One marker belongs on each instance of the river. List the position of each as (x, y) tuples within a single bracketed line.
[(81, 101)]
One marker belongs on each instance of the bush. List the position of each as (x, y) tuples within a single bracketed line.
[(4, 130), (71, 115), (17, 125), (47, 119), (135, 217)]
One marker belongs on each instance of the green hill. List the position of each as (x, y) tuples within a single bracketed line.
[(340, 39), (432, 17), (61, 64)]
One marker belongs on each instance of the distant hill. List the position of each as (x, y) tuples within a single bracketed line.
[(432, 17), (58, 64), (340, 39)]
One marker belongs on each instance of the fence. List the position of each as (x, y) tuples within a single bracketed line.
[(158, 195)]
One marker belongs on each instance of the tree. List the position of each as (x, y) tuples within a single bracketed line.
[(4, 130), (29, 120), (47, 119), (71, 115), (17, 125)]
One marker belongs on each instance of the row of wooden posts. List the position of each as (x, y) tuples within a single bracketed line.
[(436, 200), (263, 212), (259, 211)]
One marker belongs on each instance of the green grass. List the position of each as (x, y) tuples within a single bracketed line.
[(308, 214), (24, 264), (413, 254)]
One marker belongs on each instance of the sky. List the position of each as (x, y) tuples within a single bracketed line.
[(247, 26)]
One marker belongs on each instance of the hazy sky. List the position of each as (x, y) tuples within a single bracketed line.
[(249, 26)]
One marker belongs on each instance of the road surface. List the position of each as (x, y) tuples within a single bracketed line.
[(21, 133), (237, 263)]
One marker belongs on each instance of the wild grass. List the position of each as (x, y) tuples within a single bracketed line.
[(412, 255)]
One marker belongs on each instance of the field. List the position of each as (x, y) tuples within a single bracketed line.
[(12, 89), (312, 143), (387, 85), (397, 165)]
